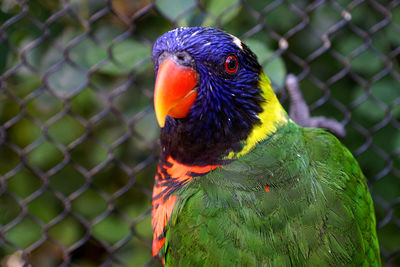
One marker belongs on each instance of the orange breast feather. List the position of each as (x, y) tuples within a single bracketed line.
[(170, 176)]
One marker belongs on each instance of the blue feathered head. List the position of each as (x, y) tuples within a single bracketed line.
[(207, 96)]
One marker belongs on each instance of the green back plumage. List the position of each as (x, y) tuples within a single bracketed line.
[(318, 211)]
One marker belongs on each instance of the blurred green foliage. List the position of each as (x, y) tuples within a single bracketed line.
[(78, 145)]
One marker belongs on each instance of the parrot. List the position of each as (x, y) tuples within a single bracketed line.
[(238, 183)]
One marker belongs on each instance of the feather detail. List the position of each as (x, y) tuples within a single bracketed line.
[(272, 115), (171, 176)]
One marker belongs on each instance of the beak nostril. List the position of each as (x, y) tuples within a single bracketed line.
[(183, 58)]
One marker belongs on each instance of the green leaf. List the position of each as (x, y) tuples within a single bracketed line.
[(273, 67), (147, 127), (224, 10), (23, 183), (386, 90), (68, 231), (126, 55), (173, 9), (24, 233), (367, 63), (18, 132), (45, 156), (111, 229), (89, 204), (66, 79), (348, 44), (370, 111), (66, 130), (130, 52), (53, 54)]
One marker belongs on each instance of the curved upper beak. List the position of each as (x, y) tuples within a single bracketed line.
[(175, 90)]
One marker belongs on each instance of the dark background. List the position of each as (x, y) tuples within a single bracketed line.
[(78, 135)]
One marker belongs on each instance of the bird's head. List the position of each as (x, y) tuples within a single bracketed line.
[(207, 94)]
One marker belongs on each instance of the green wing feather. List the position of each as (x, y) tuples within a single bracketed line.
[(318, 211)]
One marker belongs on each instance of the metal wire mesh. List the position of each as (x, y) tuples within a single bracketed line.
[(78, 136)]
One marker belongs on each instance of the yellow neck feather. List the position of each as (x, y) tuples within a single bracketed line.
[(271, 117)]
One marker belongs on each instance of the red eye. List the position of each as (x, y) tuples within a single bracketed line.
[(231, 64)]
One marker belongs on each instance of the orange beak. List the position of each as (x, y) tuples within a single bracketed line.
[(174, 92)]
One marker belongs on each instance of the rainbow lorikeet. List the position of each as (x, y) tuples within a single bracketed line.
[(238, 182)]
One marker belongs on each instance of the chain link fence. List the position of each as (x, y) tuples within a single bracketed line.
[(78, 135)]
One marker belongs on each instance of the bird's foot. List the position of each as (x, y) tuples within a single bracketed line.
[(300, 113)]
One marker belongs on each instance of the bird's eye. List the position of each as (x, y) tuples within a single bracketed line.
[(231, 64)]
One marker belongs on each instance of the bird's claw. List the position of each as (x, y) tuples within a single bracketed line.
[(300, 113)]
